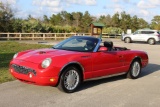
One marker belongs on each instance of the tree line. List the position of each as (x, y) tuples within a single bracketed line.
[(77, 22)]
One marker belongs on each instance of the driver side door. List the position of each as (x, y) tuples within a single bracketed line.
[(107, 63)]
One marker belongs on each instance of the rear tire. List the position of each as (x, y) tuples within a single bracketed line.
[(127, 40), (135, 70), (151, 41), (70, 80)]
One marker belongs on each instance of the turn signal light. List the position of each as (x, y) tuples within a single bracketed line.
[(52, 79)]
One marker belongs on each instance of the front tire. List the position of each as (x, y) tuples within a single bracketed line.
[(135, 70), (70, 80)]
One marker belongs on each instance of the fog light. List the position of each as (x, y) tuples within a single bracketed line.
[(30, 75), (11, 70), (52, 79)]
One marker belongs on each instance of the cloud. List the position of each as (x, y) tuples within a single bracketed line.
[(56, 6), (47, 3), (155, 2), (144, 12), (117, 8), (73, 1), (55, 9), (81, 2), (115, 1), (145, 5), (90, 2)]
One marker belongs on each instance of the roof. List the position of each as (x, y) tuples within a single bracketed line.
[(98, 24)]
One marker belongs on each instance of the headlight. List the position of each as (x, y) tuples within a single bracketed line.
[(15, 55), (46, 62)]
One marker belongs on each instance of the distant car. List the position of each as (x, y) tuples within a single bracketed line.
[(75, 60), (149, 36)]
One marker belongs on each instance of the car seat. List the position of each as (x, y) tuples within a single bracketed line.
[(109, 45)]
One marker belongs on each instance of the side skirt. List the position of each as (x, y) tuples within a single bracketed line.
[(107, 76)]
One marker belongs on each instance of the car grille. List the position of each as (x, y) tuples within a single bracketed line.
[(22, 69)]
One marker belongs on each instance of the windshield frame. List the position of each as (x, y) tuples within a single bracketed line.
[(91, 38)]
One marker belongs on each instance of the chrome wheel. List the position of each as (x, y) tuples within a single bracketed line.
[(136, 69), (71, 79)]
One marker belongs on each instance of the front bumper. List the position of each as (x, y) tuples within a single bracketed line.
[(33, 79), (32, 73)]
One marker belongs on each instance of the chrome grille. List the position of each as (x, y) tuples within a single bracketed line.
[(22, 69)]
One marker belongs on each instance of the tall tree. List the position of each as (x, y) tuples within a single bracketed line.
[(116, 20), (142, 23), (6, 17), (156, 22), (134, 23), (86, 20), (56, 20), (125, 21), (77, 16), (66, 18), (45, 19), (107, 20)]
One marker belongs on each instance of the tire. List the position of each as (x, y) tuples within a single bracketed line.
[(135, 70), (127, 40), (70, 80), (151, 41)]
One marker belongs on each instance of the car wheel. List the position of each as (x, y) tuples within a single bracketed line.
[(70, 80), (135, 70), (151, 41), (127, 40)]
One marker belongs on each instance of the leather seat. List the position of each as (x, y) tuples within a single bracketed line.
[(109, 45)]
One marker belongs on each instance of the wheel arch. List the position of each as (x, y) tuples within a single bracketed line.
[(150, 38), (137, 58), (75, 64)]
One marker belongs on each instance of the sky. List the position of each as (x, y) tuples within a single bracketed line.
[(145, 9)]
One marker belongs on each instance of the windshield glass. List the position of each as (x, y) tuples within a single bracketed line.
[(82, 44)]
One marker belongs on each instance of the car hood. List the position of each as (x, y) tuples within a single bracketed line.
[(37, 56)]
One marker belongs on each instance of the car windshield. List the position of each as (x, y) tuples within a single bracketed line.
[(75, 43)]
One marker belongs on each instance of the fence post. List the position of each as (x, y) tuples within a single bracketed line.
[(7, 36), (43, 36), (20, 36), (65, 36), (55, 38), (32, 36)]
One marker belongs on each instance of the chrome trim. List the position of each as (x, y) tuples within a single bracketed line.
[(73, 62), (107, 76)]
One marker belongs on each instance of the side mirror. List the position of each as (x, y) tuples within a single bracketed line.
[(102, 49)]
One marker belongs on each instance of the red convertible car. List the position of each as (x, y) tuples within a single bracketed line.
[(75, 60)]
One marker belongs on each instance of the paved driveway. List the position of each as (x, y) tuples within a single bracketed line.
[(110, 92)]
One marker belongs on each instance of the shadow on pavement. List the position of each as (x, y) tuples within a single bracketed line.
[(149, 69)]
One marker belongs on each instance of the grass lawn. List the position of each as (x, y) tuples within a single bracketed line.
[(7, 50)]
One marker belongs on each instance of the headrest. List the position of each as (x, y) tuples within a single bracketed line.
[(108, 43)]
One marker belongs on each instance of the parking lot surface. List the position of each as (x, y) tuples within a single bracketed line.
[(109, 92)]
